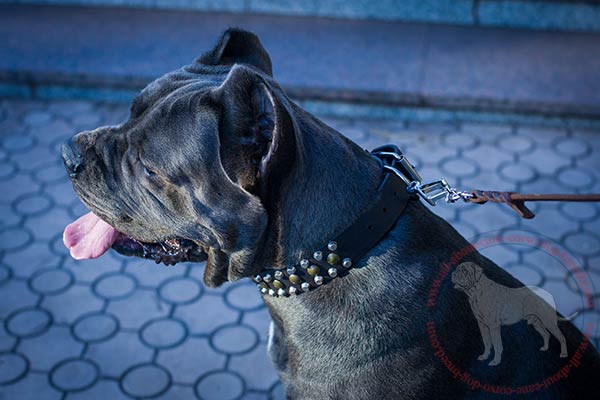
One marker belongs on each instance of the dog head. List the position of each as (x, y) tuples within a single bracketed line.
[(466, 275), (192, 166)]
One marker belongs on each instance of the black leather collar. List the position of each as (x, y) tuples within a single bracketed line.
[(337, 257)]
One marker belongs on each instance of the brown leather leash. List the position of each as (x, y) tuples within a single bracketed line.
[(393, 160), (516, 201)]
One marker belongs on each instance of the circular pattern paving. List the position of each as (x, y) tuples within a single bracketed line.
[(517, 172), (163, 333), (28, 322), (180, 290), (50, 173), (7, 170), (95, 327), (571, 147), (460, 140), (37, 118), (575, 178), (115, 286), (516, 144), (234, 339), (146, 380), (32, 204), (583, 243), (12, 367), (17, 143), (580, 211), (220, 385), (244, 297), (73, 375), (51, 281), (527, 274), (14, 238), (459, 167)]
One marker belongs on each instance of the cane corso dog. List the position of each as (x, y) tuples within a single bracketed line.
[(216, 163), (495, 305)]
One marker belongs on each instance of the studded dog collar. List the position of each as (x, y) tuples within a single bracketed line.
[(338, 256)]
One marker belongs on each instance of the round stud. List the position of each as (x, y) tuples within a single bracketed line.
[(295, 279), (318, 255), (281, 292), (332, 246), (277, 284), (304, 263), (305, 286), (347, 263), (257, 278), (291, 270), (278, 274), (313, 270), (319, 280), (332, 272), (267, 278), (264, 290), (333, 259), (272, 293), (292, 290), (263, 285)]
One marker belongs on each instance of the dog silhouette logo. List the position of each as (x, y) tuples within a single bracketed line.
[(495, 305)]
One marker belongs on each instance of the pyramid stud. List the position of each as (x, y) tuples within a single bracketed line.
[(257, 278), (292, 290), (347, 263), (319, 280), (332, 272), (305, 286), (318, 255), (291, 270), (278, 274), (272, 293), (332, 246), (267, 278), (281, 292), (304, 263), (264, 290)]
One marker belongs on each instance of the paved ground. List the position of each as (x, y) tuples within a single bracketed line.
[(368, 61), (118, 328)]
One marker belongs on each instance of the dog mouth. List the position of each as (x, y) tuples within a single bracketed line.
[(90, 237)]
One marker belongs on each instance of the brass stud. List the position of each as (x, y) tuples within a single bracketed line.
[(318, 255), (304, 263), (319, 280), (278, 274), (291, 270), (333, 258), (295, 279), (305, 286), (292, 290), (263, 285), (277, 284), (332, 246), (347, 263), (267, 278), (257, 278), (281, 292), (313, 270), (332, 272)]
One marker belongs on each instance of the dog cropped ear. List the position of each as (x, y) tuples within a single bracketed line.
[(476, 271), (257, 137), (237, 46)]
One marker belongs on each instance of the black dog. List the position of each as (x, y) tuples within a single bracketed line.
[(217, 163)]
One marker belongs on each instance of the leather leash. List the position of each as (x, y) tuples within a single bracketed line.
[(516, 201), (433, 192)]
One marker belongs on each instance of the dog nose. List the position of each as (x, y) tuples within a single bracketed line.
[(71, 157)]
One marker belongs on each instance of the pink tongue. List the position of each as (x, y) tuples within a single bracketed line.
[(89, 237)]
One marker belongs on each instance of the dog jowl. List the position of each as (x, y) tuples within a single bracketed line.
[(216, 163)]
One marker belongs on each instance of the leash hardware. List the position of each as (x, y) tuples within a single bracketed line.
[(433, 192)]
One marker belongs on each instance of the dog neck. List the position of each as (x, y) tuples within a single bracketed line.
[(325, 191)]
